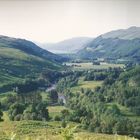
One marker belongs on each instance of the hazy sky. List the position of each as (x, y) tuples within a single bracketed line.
[(55, 20)]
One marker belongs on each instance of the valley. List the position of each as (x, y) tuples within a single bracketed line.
[(89, 65), (69, 70), (59, 112), (81, 96)]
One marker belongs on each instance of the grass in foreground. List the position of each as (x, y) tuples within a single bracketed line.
[(35, 130), (52, 130)]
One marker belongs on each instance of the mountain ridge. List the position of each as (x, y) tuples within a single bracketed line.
[(129, 33), (28, 47), (113, 44), (71, 45)]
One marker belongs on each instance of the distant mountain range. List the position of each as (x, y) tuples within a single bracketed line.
[(124, 43), (68, 46)]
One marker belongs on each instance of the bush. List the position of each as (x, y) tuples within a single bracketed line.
[(136, 110), (18, 117), (57, 118), (63, 124)]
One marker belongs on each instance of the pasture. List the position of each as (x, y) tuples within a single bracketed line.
[(86, 85), (89, 65), (36, 130), (55, 110)]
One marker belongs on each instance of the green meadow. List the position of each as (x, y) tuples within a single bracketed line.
[(89, 65)]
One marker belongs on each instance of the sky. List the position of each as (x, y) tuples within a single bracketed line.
[(57, 20)]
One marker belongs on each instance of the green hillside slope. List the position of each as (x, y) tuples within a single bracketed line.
[(124, 44), (112, 107), (19, 60), (111, 48), (29, 48)]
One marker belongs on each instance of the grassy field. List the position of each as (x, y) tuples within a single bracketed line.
[(86, 85), (89, 65), (36, 130), (55, 110), (125, 112), (51, 130)]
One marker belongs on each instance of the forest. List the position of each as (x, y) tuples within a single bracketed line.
[(111, 107)]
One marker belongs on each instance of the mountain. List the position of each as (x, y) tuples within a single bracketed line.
[(29, 48), (20, 58), (115, 44), (127, 34), (72, 45)]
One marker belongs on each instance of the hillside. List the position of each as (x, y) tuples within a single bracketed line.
[(104, 101), (116, 44), (29, 48), (111, 48), (127, 34), (21, 58), (124, 92), (72, 45), (32, 130)]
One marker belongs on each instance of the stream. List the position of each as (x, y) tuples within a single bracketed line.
[(60, 95)]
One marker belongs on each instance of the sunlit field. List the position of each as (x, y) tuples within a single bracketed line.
[(34, 130), (55, 110), (86, 85), (89, 65)]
